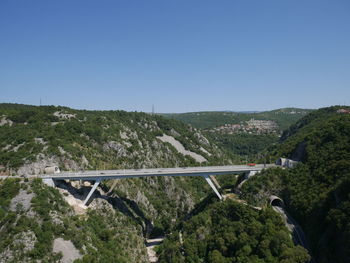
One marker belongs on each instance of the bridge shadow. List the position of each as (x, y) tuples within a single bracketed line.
[(199, 207), (131, 209), (78, 193), (120, 203)]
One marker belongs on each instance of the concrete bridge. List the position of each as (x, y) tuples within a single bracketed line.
[(100, 175)]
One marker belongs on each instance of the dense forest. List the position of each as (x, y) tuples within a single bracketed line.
[(249, 147), (231, 232), (316, 192)]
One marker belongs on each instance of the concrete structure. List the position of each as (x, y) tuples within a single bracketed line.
[(288, 163), (52, 170), (246, 177), (276, 201), (101, 175)]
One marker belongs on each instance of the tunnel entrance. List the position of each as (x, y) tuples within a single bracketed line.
[(276, 201)]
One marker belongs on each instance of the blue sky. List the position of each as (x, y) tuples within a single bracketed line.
[(180, 56)]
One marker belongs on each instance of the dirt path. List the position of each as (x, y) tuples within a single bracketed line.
[(150, 245)]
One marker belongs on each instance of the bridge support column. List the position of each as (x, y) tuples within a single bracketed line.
[(209, 181), (97, 182), (250, 174)]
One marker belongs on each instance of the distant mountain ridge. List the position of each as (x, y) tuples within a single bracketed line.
[(210, 119)]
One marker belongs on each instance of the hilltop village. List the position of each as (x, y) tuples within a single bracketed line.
[(252, 127)]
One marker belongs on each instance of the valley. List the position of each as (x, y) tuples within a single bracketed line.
[(127, 217)]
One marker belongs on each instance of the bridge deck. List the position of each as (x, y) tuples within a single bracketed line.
[(132, 173), (100, 175)]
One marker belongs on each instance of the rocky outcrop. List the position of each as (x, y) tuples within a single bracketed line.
[(5, 121), (117, 147), (180, 148), (63, 115), (43, 161), (68, 250), (22, 201)]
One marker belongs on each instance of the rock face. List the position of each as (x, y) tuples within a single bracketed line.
[(117, 147), (63, 115), (22, 201), (43, 161), (4, 121), (68, 250)]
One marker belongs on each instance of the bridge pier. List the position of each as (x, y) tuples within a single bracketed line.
[(97, 182), (210, 182), (250, 174)]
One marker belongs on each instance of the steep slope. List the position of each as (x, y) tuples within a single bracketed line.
[(33, 137), (316, 192), (38, 225)]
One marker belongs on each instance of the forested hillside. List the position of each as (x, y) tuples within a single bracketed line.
[(231, 232), (249, 147), (210, 119), (317, 192), (32, 137), (35, 219)]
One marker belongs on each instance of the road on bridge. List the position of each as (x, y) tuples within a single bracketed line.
[(132, 173)]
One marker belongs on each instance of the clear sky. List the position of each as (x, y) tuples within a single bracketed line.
[(180, 55)]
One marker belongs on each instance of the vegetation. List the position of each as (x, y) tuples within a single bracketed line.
[(249, 147), (9, 189), (317, 191), (231, 232)]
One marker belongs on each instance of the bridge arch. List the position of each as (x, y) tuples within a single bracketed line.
[(276, 201)]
